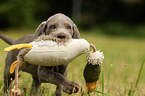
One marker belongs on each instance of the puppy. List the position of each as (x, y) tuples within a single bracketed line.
[(60, 27)]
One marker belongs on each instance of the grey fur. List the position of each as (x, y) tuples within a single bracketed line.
[(42, 74)]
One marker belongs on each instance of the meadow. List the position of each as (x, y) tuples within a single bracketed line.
[(120, 76)]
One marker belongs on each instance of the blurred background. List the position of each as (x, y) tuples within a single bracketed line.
[(111, 17)]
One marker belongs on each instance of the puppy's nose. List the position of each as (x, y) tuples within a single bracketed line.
[(61, 35)]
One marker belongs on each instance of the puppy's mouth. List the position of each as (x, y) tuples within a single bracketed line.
[(60, 38)]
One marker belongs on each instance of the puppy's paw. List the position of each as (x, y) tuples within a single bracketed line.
[(70, 87)]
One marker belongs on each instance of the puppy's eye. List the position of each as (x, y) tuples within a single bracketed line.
[(68, 27), (52, 27)]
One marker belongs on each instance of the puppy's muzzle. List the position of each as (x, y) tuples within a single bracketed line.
[(55, 36), (61, 36)]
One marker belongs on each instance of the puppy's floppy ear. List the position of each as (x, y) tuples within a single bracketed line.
[(40, 30), (76, 33)]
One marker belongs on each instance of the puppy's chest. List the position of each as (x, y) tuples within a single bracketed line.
[(58, 69)]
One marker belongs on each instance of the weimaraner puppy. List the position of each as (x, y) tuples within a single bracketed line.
[(60, 27)]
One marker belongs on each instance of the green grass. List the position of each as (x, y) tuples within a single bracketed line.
[(124, 76)]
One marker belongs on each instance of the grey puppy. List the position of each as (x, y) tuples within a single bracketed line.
[(59, 26)]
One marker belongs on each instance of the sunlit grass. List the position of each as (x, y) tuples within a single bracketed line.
[(125, 54)]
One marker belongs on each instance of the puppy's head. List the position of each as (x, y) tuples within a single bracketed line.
[(58, 26)]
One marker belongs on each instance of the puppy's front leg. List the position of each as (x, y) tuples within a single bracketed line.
[(47, 75)]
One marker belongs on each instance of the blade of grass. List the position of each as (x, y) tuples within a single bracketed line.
[(125, 91), (102, 80), (108, 77), (130, 91), (103, 93), (139, 75)]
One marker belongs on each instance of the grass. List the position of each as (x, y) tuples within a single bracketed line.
[(122, 68), (108, 77)]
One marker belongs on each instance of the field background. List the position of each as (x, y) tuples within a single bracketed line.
[(126, 55)]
